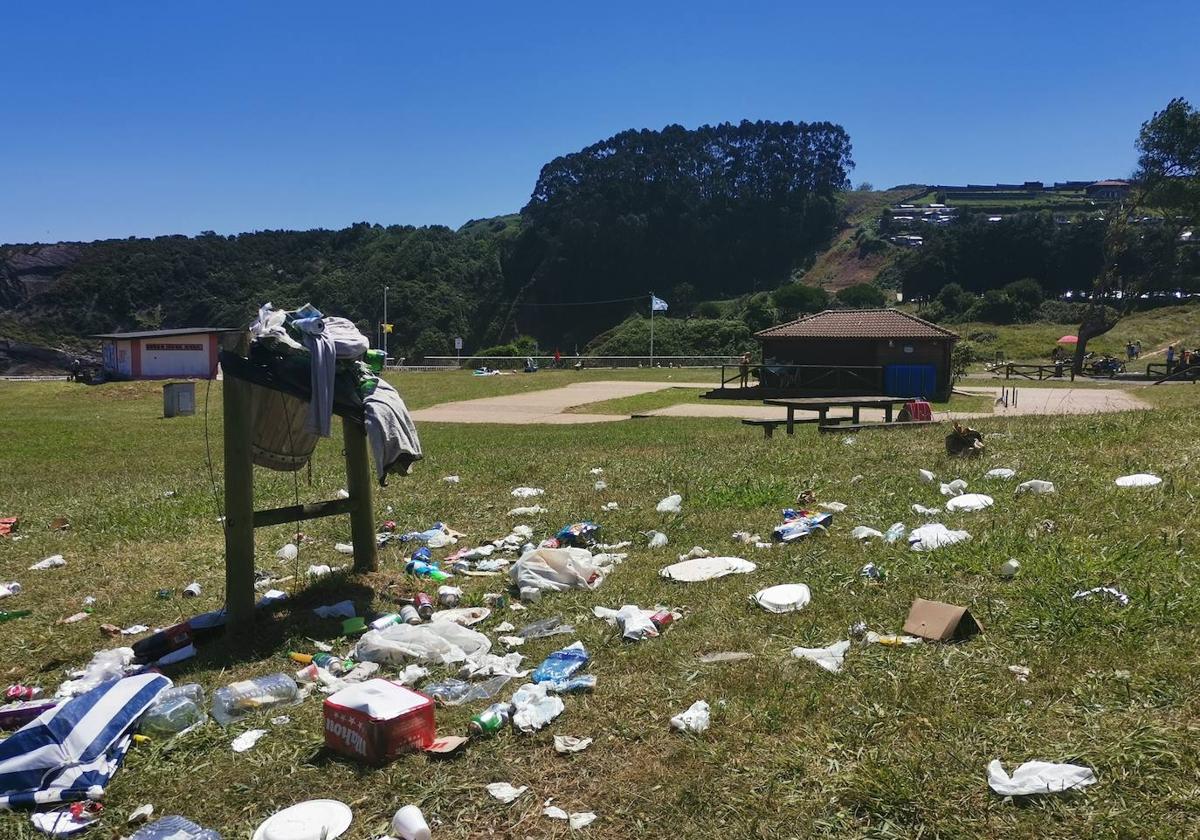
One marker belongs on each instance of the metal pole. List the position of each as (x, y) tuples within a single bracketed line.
[(384, 327), (652, 329)]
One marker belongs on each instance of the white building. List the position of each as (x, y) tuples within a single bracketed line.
[(190, 352)]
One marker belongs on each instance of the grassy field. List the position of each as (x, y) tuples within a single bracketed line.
[(676, 396), (893, 747)]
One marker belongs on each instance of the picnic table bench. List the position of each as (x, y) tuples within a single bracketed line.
[(821, 406)]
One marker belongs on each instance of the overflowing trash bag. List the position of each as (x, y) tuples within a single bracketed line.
[(964, 442)]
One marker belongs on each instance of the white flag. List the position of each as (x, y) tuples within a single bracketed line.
[(657, 304)]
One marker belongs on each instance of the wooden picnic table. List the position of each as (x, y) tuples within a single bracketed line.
[(821, 405)]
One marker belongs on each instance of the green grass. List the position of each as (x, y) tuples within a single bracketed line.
[(642, 403), (895, 746), (1155, 328)]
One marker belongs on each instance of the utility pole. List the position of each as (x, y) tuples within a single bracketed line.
[(383, 328), (652, 329)]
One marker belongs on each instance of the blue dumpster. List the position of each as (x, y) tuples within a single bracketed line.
[(910, 381)]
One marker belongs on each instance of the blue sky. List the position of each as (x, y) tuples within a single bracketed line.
[(141, 118)]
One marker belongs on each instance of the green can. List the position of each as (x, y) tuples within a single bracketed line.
[(376, 360)]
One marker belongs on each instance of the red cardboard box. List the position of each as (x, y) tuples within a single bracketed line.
[(377, 720)]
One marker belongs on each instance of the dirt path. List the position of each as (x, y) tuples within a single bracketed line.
[(550, 406)]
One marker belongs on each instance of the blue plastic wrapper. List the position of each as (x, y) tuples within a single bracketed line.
[(560, 665), (800, 523), (580, 534)]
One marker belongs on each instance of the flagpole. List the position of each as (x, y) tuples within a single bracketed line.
[(652, 329)]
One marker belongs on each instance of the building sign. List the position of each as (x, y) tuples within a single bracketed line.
[(184, 347)]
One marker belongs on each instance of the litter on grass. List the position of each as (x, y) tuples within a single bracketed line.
[(51, 562), (933, 536), (695, 720), (927, 476), (1003, 473), (1009, 568), (671, 504), (970, 502), (532, 510), (831, 657), (565, 744), (889, 639), (706, 568), (1035, 486), (725, 656), (800, 523), (1035, 777), (921, 510), (505, 792), (832, 507), (556, 569), (862, 532), (1138, 480), (955, 488), (342, 609), (634, 622), (527, 492), (247, 740), (1106, 591), (657, 539), (534, 707), (784, 598)]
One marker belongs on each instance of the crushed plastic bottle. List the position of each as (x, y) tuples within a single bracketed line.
[(245, 696), (174, 828), (895, 532), (562, 664), (170, 717)]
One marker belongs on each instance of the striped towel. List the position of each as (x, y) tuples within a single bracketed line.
[(70, 752)]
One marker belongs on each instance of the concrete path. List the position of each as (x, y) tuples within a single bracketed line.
[(547, 406), (550, 406)]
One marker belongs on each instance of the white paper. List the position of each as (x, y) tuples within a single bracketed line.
[(934, 535), (534, 707), (671, 504), (927, 476), (51, 562), (570, 744), (533, 510), (831, 657), (527, 492), (1034, 777), (1002, 473), (921, 510), (970, 502), (1138, 480), (1035, 486), (247, 740), (862, 532), (505, 792), (695, 720)]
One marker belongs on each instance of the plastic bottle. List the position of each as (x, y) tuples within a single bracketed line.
[(491, 720), (10, 588), (192, 691), (581, 684), (241, 698), (895, 532), (170, 717), (331, 663), (561, 664), (10, 615), (427, 570), (375, 359)]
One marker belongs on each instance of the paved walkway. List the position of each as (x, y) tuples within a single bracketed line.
[(550, 406), (547, 406)]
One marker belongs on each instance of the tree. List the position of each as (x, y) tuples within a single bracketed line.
[(862, 296), (683, 299), (760, 313), (865, 186), (1167, 182), (954, 299), (798, 299), (1026, 296)]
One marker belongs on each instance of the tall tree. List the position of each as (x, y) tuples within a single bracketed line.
[(1144, 252)]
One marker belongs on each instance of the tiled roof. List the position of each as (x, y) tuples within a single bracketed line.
[(858, 323)]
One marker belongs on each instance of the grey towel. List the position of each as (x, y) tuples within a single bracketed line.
[(391, 431)]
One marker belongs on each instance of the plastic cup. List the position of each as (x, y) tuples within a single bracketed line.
[(409, 824)]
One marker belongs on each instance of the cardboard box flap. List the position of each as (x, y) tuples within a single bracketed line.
[(940, 622)]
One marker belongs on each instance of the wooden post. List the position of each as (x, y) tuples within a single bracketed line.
[(239, 500), (358, 483)]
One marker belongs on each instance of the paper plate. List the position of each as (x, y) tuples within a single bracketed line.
[(707, 568), (1000, 472), (970, 501), (307, 821), (787, 597), (466, 616), (1138, 480)]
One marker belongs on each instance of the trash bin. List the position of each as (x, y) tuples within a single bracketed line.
[(179, 398)]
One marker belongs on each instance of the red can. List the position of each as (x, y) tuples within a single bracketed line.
[(424, 605), (661, 619), (22, 692)]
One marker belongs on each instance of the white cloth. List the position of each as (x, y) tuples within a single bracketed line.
[(1038, 777)]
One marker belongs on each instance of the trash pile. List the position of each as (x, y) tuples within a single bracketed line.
[(382, 692)]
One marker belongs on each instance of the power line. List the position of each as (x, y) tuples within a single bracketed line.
[(586, 302)]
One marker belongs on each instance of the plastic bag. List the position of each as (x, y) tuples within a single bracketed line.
[(1138, 480), (534, 707), (830, 657), (561, 664), (1036, 486), (671, 504), (443, 642), (695, 720), (862, 532), (453, 692), (552, 626), (934, 535), (480, 665), (955, 488), (556, 569), (634, 622), (106, 665), (1035, 777)]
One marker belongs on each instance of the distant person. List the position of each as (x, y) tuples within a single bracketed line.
[(1137, 350), (76, 367), (557, 358), (744, 369), (1170, 357), (1129, 350)]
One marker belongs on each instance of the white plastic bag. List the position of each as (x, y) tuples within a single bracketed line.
[(634, 622), (934, 535), (955, 488), (671, 504), (921, 510), (862, 532), (51, 562), (287, 553), (442, 642), (970, 502), (927, 476), (706, 568), (1035, 486), (695, 720), (480, 665), (534, 707), (657, 539), (533, 510), (784, 598), (556, 569), (1038, 777), (564, 744), (831, 657)]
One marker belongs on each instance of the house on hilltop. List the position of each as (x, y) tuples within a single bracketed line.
[(1111, 190)]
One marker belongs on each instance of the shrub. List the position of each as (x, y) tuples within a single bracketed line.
[(862, 296), (796, 299)]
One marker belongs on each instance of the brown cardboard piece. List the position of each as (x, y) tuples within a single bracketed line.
[(940, 622)]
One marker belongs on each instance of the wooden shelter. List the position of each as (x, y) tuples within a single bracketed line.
[(857, 351)]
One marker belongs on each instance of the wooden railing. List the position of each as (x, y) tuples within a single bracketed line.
[(866, 378)]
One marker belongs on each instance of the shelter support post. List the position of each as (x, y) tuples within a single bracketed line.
[(239, 509), (358, 483)]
